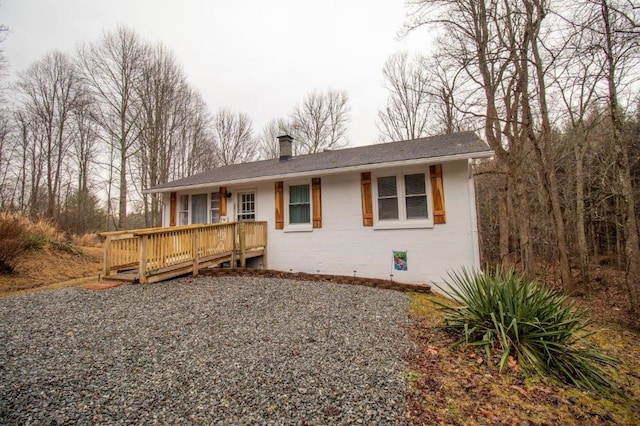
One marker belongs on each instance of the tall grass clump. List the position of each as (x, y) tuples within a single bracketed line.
[(13, 240), (538, 326), (18, 235)]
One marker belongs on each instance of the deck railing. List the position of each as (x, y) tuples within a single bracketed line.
[(162, 253)]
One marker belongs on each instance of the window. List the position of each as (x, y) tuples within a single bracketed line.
[(299, 204), (183, 215), (401, 199), (246, 206), (199, 208), (387, 198), (214, 207), (416, 196)]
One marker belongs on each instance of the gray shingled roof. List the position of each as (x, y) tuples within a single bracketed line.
[(458, 144)]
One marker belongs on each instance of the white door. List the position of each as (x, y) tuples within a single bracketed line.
[(246, 206)]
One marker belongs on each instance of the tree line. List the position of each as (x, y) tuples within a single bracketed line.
[(118, 116)]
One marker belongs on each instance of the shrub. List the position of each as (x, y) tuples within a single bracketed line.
[(13, 241), (540, 327), (86, 240), (66, 246)]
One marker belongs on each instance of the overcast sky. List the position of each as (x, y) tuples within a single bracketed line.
[(260, 57)]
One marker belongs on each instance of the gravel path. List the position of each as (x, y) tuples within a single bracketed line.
[(204, 351)]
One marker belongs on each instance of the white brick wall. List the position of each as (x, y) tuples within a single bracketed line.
[(343, 244)]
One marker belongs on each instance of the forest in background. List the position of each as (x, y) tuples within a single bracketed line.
[(550, 85)]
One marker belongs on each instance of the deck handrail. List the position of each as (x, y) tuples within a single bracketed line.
[(157, 251)]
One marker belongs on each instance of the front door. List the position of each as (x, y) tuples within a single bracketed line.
[(246, 206)]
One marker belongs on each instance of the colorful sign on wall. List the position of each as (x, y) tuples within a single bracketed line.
[(399, 260)]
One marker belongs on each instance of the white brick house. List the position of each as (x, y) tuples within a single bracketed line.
[(349, 211)]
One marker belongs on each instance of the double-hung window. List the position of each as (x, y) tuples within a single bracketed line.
[(299, 204), (415, 196), (402, 200), (387, 198)]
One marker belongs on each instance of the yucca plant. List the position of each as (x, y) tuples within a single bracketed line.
[(540, 327)]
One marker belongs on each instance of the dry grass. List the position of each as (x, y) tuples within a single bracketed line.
[(52, 268), (87, 240), (42, 256)]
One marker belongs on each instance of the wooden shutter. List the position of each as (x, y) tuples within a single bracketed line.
[(316, 197), (367, 204), (437, 194), (222, 196), (279, 201), (172, 208)]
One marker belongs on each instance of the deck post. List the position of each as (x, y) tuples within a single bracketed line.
[(107, 257), (243, 244), (196, 255), (265, 265), (142, 268), (235, 246)]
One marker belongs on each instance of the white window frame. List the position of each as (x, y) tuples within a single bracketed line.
[(297, 227), (402, 222)]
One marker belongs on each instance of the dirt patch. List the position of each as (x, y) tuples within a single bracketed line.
[(101, 285)]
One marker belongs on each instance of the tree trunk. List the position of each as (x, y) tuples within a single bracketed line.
[(523, 222), (583, 249), (503, 220), (122, 206)]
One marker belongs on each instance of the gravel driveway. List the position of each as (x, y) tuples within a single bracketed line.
[(204, 351)]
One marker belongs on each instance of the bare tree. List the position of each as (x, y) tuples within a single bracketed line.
[(163, 92), (84, 152), (233, 137), (49, 90), (320, 122), (406, 115), (268, 144), (112, 70), (7, 154), (197, 147), (4, 65), (453, 104)]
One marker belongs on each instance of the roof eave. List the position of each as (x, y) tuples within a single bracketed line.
[(325, 172)]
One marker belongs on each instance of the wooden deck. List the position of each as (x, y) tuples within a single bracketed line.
[(157, 254)]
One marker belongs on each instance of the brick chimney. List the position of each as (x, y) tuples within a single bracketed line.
[(286, 148)]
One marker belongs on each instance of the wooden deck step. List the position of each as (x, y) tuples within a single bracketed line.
[(126, 276)]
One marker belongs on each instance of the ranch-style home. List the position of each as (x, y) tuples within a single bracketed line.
[(401, 210)]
